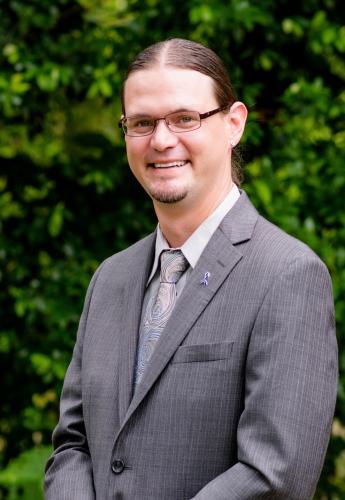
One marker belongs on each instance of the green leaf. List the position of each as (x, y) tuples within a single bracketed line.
[(56, 220), (25, 474)]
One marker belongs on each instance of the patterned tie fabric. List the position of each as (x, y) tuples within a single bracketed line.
[(173, 264)]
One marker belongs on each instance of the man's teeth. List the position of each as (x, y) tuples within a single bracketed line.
[(169, 165)]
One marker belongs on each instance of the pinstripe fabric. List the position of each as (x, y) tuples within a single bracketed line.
[(173, 264), (238, 398)]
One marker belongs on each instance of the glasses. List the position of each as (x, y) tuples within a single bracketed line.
[(179, 121)]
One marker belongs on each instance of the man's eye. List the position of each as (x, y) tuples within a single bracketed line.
[(141, 123), (183, 118)]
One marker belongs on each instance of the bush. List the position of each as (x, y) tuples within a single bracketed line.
[(67, 199)]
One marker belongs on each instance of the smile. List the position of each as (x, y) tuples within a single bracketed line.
[(172, 164)]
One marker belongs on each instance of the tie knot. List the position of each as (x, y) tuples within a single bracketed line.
[(173, 265)]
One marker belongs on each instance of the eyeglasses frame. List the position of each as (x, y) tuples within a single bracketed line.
[(202, 116)]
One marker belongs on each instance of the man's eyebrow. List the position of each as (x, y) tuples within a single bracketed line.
[(140, 115), (179, 110), (147, 115)]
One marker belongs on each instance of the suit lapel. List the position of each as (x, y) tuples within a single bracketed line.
[(219, 258), (138, 269)]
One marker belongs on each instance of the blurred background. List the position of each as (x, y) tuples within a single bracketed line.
[(67, 199)]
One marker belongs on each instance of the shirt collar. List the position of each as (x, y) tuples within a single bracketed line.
[(196, 243)]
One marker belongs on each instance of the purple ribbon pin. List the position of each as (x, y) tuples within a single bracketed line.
[(205, 278)]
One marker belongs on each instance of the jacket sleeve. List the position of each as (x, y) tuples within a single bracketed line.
[(69, 470), (290, 391)]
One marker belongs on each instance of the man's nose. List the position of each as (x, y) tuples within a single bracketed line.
[(162, 137)]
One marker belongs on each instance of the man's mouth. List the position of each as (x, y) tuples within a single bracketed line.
[(172, 164)]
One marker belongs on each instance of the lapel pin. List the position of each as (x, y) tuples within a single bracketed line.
[(205, 279)]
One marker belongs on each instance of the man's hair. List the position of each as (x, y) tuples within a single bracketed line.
[(185, 54)]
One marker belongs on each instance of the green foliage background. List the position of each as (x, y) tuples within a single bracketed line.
[(67, 199)]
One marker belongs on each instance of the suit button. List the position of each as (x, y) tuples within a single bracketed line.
[(118, 466)]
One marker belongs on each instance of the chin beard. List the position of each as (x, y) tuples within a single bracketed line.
[(166, 197)]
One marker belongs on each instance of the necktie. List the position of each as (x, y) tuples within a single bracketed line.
[(173, 264)]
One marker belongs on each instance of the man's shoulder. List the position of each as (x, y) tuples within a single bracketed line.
[(268, 243), (279, 250), (277, 239), (119, 266), (127, 256), (245, 224)]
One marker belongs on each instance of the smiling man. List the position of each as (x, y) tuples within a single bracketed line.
[(205, 365)]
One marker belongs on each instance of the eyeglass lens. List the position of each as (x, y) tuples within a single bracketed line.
[(176, 122)]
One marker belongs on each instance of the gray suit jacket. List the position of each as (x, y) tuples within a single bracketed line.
[(238, 398)]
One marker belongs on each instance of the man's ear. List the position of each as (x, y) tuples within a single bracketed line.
[(237, 120)]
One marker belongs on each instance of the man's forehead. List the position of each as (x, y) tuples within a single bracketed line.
[(168, 87)]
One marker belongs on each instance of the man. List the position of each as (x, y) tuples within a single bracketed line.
[(205, 365)]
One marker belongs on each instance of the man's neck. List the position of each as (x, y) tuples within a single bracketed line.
[(177, 223)]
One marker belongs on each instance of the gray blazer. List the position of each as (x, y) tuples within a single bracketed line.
[(238, 398)]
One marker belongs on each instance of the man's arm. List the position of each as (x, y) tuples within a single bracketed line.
[(69, 470), (290, 391)]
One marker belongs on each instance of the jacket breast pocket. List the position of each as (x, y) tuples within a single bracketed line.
[(199, 353)]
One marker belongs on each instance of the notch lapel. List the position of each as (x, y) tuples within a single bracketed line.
[(138, 269)]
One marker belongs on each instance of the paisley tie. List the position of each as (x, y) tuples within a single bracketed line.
[(173, 264)]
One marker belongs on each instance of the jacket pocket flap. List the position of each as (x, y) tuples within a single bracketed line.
[(202, 352)]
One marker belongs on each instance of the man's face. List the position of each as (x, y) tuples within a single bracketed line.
[(190, 169)]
